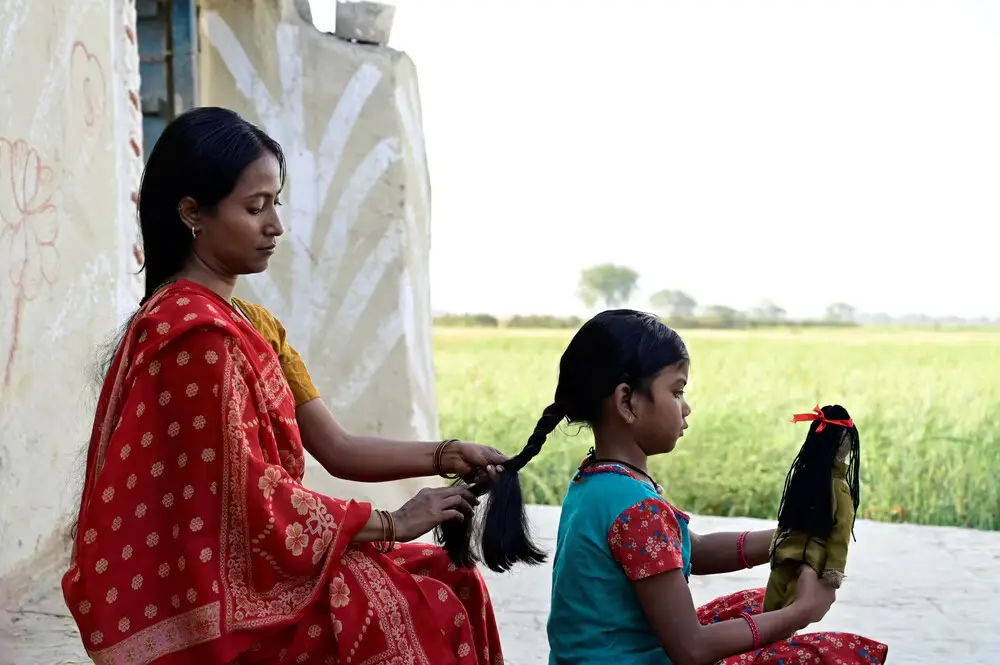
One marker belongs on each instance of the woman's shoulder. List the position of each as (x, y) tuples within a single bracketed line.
[(264, 322), (178, 309), (255, 312)]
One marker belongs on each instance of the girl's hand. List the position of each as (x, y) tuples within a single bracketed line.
[(813, 598), (470, 461), (430, 507)]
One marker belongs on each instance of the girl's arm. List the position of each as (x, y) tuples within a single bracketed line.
[(666, 601), (715, 553)]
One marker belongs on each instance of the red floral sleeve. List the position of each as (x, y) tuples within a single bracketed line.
[(645, 539)]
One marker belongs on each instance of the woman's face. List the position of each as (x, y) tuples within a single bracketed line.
[(240, 235)]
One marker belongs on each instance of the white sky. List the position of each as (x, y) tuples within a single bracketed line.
[(802, 151)]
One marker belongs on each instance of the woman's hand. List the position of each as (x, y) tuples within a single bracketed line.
[(430, 507), (470, 461), (813, 598)]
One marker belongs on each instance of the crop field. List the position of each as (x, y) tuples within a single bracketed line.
[(927, 406)]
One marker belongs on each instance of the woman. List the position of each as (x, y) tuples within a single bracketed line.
[(196, 540)]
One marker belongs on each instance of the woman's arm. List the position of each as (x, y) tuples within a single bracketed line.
[(365, 458), (715, 553), (666, 601)]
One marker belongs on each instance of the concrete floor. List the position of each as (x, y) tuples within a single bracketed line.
[(929, 593)]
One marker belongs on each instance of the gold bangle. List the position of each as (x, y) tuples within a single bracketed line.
[(380, 546), (392, 531), (438, 454)]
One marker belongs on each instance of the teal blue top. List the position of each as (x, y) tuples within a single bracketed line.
[(614, 529)]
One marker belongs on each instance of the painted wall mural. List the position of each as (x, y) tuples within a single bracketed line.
[(129, 129), (29, 227), (61, 205)]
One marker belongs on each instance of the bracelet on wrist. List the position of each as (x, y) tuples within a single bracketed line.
[(388, 542), (753, 629), (438, 454), (741, 552)]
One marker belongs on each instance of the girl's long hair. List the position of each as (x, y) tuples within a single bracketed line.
[(614, 347)]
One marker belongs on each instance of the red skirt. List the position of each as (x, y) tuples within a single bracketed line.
[(812, 648)]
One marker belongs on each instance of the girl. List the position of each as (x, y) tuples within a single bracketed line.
[(624, 554)]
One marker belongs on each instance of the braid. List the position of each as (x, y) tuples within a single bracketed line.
[(551, 417), (505, 540)]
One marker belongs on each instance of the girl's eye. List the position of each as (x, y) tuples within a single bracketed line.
[(679, 394)]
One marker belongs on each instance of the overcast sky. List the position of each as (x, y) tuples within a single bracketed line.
[(799, 151)]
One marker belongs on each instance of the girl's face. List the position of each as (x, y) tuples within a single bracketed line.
[(662, 418)]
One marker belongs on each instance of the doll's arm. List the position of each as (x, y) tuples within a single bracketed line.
[(840, 538)]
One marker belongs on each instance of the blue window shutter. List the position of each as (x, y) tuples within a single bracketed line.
[(167, 32)]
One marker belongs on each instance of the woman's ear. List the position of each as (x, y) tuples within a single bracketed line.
[(623, 403), (190, 213)]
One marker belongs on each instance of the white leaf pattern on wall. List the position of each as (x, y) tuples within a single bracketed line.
[(305, 307)]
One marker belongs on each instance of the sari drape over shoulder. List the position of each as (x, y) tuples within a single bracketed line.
[(198, 543)]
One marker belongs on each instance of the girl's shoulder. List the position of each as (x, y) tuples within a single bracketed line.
[(608, 490)]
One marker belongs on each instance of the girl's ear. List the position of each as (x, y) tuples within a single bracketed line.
[(623, 403)]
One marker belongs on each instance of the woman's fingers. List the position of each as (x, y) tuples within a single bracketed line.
[(452, 515), (459, 502)]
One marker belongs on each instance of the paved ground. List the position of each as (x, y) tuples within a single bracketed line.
[(929, 593)]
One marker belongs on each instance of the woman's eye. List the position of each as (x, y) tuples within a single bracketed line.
[(277, 202)]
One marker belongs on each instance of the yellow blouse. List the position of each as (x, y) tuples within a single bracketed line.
[(292, 365)]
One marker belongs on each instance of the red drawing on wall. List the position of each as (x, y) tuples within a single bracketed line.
[(29, 226), (89, 86)]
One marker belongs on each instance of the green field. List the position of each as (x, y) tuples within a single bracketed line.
[(927, 405)]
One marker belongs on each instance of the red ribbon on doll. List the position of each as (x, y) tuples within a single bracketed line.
[(817, 414)]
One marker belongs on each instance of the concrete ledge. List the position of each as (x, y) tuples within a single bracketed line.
[(927, 592)]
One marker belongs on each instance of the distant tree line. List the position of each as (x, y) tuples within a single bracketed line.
[(610, 286), (490, 321)]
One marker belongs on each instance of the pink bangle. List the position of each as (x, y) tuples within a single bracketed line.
[(753, 629), (741, 549)]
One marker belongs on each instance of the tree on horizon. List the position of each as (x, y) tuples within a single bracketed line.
[(609, 284), (841, 312), (672, 303)]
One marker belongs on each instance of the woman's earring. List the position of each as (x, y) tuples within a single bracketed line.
[(628, 421), (194, 232)]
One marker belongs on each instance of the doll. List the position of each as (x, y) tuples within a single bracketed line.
[(818, 506)]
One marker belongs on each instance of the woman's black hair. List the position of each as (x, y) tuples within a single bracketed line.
[(201, 154), (615, 347), (807, 500)]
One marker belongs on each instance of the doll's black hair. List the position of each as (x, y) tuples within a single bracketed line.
[(615, 347), (807, 500)]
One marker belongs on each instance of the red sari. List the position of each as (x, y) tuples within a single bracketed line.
[(197, 542)]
